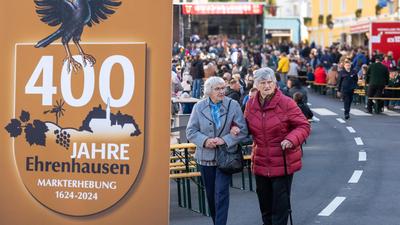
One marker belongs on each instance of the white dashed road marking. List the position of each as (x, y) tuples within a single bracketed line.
[(357, 112), (391, 113), (362, 156), (359, 141), (316, 119), (356, 177), (324, 112), (332, 206), (350, 129), (340, 120)]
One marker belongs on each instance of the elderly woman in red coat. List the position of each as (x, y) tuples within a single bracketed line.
[(278, 127)]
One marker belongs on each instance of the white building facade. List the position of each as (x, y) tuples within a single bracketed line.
[(295, 9)]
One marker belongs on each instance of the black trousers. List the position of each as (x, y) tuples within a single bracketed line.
[(273, 197), (347, 100), (375, 91)]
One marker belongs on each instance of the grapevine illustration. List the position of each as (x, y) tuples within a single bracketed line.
[(63, 138), (34, 132), (97, 120)]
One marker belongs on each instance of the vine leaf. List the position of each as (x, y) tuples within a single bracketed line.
[(14, 128), (35, 133), (25, 116)]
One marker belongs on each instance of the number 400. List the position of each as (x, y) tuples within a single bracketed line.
[(47, 90)]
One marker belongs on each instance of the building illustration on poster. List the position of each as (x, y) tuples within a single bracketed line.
[(121, 126), (36, 133)]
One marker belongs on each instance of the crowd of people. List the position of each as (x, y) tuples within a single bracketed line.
[(245, 89), (236, 60)]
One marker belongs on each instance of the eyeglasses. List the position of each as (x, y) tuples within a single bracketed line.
[(266, 82), (218, 89)]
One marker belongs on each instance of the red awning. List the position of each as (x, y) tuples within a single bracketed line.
[(222, 9)]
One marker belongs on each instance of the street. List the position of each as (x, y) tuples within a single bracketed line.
[(348, 175)]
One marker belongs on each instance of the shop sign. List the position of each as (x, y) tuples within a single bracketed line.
[(222, 9)]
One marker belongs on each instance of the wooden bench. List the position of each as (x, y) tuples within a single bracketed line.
[(181, 168), (183, 181), (182, 152), (298, 77), (174, 158), (359, 96), (332, 89), (319, 87), (384, 98), (174, 164), (393, 88), (360, 92), (182, 146), (184, 175), (310, 82), (319, 84)]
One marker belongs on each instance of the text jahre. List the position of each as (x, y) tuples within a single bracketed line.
[(108, 151)]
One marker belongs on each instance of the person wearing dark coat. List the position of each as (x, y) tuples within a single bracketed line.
[(278, 127), (377, 78), (298, 98), (348, 79), (233, 90), (197, 72), (296, 87)]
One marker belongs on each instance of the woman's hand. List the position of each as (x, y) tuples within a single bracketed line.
[(286, 144), (219, 141), (210, 143), (235, 130), (214, 142)]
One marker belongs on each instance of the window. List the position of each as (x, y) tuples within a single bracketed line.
[(359, 4), (391, 8), (296, 11), (321, 6), (344, 5), (309, 9), (322, 40), (329, 6)]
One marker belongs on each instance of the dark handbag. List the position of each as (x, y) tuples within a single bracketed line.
[(229, 162)]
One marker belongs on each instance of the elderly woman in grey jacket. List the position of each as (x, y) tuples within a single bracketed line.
[(210, 126)]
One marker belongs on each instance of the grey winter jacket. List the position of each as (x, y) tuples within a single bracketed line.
[(201, 127)]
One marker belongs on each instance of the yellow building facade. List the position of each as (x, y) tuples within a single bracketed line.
[(346, 21)]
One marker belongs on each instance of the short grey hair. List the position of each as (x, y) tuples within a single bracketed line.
[(264, 73), (211, 83)]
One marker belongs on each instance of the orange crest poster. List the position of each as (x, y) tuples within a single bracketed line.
[(85, 111), (79, 135)]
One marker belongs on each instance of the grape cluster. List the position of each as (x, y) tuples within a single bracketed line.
[(63, 138)]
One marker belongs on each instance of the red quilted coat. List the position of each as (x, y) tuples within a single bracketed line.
[(320, 75), (280, 119)]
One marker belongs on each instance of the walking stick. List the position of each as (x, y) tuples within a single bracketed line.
[(287, 187)]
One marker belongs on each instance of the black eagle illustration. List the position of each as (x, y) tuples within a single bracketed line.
[(73, 15)]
